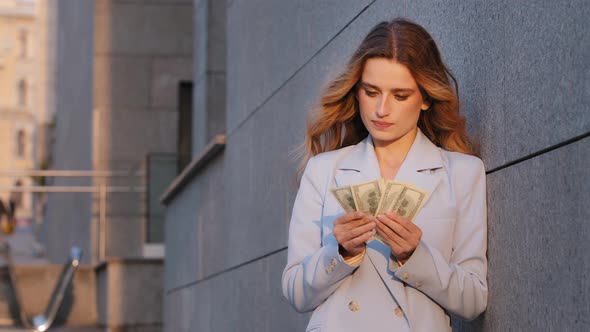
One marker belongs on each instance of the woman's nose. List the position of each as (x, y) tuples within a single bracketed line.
[(382, 108)]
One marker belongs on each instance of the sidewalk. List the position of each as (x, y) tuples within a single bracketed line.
[(21, 244)]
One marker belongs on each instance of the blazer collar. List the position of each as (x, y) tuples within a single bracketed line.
[(360, 164)]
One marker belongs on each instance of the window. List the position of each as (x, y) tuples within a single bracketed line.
[(20, 143), (22, 93), (23, 39)]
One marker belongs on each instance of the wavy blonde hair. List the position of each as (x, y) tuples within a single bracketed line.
[(336, 121)]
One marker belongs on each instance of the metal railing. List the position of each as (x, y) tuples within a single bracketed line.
[(100, 189)]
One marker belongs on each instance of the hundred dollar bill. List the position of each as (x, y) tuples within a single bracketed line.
[(344, 197), (391, 193), (366, 196), (409, 202)]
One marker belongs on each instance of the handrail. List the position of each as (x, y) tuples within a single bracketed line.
[(72, 189), (101, 189), (69, 173), (40, 323)]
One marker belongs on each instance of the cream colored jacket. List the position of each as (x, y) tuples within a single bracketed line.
[(445, 275)]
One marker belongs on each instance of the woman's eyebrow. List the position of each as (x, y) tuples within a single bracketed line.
[(374, 87)]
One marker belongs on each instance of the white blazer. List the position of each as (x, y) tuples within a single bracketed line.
[(445, 275)]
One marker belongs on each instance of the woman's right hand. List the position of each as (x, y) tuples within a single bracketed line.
[(352, 230)]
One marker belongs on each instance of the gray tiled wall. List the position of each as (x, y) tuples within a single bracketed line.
[(67, 215), (523, 75)]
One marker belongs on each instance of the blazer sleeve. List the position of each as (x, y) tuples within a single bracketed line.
[(458, 285), (313, 271)]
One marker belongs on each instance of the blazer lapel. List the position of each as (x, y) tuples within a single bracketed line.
[(359, 165), (422, 159)]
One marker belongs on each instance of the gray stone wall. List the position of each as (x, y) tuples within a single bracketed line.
[(523, 75), (67, 221)]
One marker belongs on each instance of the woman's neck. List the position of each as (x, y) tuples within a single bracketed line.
[(391, 155)]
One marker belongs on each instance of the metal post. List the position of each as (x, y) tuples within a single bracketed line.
[(102, 221)]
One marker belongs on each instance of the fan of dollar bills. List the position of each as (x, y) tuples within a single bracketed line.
[(379, 197)]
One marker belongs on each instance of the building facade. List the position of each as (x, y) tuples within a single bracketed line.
[(523, 75), (22, 109)]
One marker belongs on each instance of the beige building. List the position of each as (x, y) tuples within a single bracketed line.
[(21, 94)]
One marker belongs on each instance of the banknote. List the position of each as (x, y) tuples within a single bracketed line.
[(379, 197), (366, 196), (344, 197), (391, 193), (409, 202)]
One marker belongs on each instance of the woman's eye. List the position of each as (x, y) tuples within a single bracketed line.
[(370, 93), (401, 97)]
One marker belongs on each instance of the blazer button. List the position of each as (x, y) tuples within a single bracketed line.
[(354, 306), (406, 276), (398, 312), (419, 284)]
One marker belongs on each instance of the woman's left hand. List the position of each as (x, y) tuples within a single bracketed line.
[(400, 233)]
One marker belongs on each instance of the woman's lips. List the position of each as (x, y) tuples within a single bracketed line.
[(380, 124)]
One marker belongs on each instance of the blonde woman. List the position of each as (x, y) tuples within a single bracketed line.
[(394, 114)]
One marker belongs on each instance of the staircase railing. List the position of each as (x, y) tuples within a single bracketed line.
[(100, 189)]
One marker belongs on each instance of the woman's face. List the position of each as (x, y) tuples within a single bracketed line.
[(389, 100)]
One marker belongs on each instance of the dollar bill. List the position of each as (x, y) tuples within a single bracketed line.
[(409, 202), (379, 197), (391, 193), (367, 196), (344, 197)]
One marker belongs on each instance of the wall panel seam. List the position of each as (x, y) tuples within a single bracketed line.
[(225, 271), (313, 56), (540, 152)]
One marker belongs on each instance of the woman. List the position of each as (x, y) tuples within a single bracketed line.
[(392, 114)]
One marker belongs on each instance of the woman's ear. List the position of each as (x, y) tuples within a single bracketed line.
[(426, 104)]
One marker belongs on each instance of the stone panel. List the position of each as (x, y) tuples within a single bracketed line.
[(125, 236), (196, 228), (182, 247), (516, 64), (262, 157), (134, 294), (251, 295), (199, 115), (143, 29), (268, 41), (538, 243), (122, 81), (167, 73), (132, 134), (68, 215)]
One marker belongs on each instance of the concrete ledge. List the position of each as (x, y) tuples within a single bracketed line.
[(215, 146)]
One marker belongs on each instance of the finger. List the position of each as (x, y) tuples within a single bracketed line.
[(348, 217), (365, 219), (394, 226), (403, 221), (357, 231), (358, 241), (344, 231), (390, 235)]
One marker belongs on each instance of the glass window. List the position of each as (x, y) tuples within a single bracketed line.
[(20, 143), (22, 93)]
